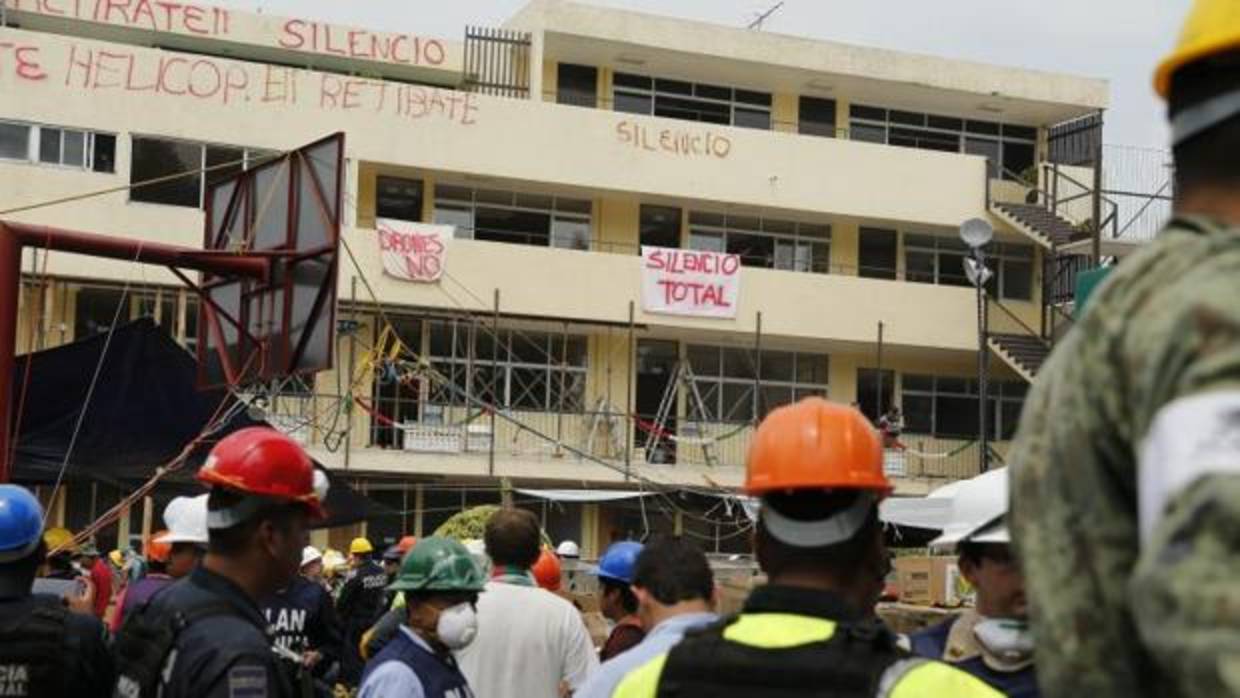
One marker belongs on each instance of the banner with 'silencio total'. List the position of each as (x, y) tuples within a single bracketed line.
[(690, 282)]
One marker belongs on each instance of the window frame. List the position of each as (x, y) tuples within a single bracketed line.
[(34, 146), (564, 209), (250, 158), (998, 394), (701, 225), (658, 88), (715, 381)]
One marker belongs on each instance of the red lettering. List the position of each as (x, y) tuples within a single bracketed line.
[(214, 80), (731, 265), (285, 82), (436, 56), (327, 42), (164, 67), (109, 5), (26, 59), (665, 140), (236, 79), (46, 6), (169, 8), (100, 69), (655, 260), (333, 94), (355, 50), (130, 86), (192, 16), (350, 100), (383, 88), (468, 108), (292, 37), (381, 47), (144, 8), (417, 95), (395, 52), (74, 62), (623, 132)]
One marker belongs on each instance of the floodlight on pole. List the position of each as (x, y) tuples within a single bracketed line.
[(977, 233)]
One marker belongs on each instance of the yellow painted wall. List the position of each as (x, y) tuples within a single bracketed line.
[(550, 80), (845, 247), (784, 112), (617, 224)]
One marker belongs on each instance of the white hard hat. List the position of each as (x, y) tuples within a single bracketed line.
[(978, 508), (310, 554), (568, 549), (186, 520)]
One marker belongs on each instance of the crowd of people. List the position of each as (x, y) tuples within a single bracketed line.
[(1123, 521)]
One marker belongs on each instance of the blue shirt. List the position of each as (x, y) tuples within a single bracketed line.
[(661, 639), (395, 678)]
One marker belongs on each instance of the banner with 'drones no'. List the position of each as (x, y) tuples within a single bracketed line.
[(413, 251)]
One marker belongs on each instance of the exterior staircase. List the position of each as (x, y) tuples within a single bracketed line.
[(1022, 352), (1037, 222)]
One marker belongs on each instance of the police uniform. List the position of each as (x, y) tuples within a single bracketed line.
[(790, 641), (47, 651), (409, 668), (1122, 512), (222, 655), (359, 606), (301, 618)]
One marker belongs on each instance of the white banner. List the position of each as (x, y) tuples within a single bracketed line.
[(413, 251), (690, 282)]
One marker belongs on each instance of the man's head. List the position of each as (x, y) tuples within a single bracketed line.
[(391, 561), (854, 566), (184, 557), (21, 540), (264, 492), (186, 519), (1206, 169), (512, 538), (994, 573), (672, 578), (441, 582), (360, 551), (616, 570)]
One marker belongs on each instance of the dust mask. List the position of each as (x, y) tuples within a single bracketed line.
[(1007, 643), (457, 625)]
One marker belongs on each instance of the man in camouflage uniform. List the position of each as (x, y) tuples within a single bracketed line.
[(1126, 467)]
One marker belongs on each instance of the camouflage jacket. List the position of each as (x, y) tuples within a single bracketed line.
[(1125, 491)]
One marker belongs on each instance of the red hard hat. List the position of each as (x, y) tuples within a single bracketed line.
[(547, 570), (262, 462), (156, 550), (406, 543)]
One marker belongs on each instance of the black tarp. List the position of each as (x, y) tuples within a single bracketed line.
[(142, 411)]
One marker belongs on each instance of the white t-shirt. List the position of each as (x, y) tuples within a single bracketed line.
[(528, 641)]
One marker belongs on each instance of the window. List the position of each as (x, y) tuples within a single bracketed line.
[(51, 145), (934, 259), (513, 217), (1014, 267), (677, 99), (154, 158), (95, 308), (396, 401), (946, 407), (817, 117), (399, 198), (660, 226), (521, 370), (725, 377), (877, 253), (1008, 148), (576, 85), (763, 242), (874, 392)]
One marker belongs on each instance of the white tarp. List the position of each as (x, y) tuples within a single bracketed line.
[(690, 282), (413, 251), (930, 512), (583, 495)]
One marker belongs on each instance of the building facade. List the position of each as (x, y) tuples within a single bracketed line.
[(557, 147)]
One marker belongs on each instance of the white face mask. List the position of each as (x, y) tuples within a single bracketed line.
[(1007, 640), (457, 625)]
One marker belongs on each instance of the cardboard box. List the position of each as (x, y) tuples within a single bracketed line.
[(932, 581)]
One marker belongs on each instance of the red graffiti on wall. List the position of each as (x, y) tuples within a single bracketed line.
[(316, 37), (25, 61), (155, 15)]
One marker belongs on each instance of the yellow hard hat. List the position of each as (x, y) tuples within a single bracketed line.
[(360, 546), (59, 539), (1213, 27), (117, 558)]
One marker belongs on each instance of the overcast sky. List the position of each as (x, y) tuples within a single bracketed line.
[(1119, 40)]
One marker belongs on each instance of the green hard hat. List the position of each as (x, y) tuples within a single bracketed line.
[(438, 564)]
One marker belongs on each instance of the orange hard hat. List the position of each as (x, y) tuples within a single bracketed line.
[(262, 462), (815, 444), (406, 543), (157, 551), (547, 570)]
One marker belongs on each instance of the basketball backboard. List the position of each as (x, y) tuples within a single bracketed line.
[(287, 210)]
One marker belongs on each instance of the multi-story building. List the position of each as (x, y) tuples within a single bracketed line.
[(558, 146)]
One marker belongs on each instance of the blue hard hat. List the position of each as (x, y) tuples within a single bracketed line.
[(620, 562), (21, 523)]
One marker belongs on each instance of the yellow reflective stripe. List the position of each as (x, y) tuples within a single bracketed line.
[(778, 630), (642, 682), (939, 679)]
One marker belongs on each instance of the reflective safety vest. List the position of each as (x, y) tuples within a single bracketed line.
[(786, 654)]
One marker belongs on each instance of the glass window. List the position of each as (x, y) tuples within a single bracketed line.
[(762, 242), (570, 233), (1017, 279), (1017, 157), (878, 253), (223, 162), (630, 103), (988, 149), (1010, 149), (816, 117), (74, 146), (519, 218), (778, 365), (751, 118), (867, 133), (95, 309), (919, 266), (707, 242), (755, 250), (154, 158), (103, 153), (679, 99), (49, 145), (946, 407), (576, 84), (512, 226), (14, 141), (660, 226), (461, 219), (399, 198), (874, 392)]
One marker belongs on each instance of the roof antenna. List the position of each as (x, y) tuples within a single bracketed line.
[(761, 18)]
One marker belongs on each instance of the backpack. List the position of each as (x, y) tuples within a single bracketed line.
[(145, 647), (33, 651)]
